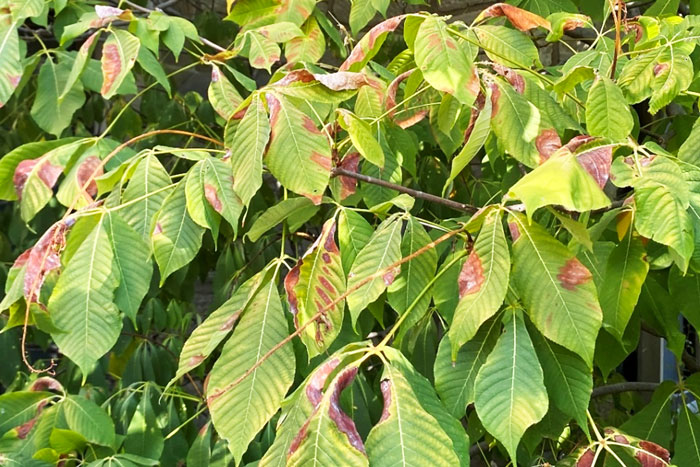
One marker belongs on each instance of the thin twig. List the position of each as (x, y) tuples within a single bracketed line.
[(337, 171), (632, 386)]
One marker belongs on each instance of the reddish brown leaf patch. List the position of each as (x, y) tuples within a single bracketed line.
[(43, 258), (348, 185), (344, 423), (517, 81), (323, 160), (230, 322), (290, 282), (211, 195), (158, 229), (24, 429), (596, 161), (360, 51), (89, 169), (521, 19), (514, 231), (385, 387), (471, 277), (653, 455), (195, 360), (45, 170), (660, 68), (274, 106), (547, 143), (572, 274), (390, 275), (46, 383), (586, 459), (111, 66)]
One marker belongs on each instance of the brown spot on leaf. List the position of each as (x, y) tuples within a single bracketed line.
[(46, 383), (45, 170), (652, 455), (520, 19), (43, 258), (111, 66), (303, 76), (572, 274), (290, 282), (195, 360), (89, 169), (348, 185), (586, 459), (597, 163), (14, 80), (660, 68), (359, 52), (621, 439), (327, 285), (211, 195), (24, 429), (85, 48), (393, 89), (310, 126), (215, 74), (547, 143), (158, 229), (329, 232), (274, 105), (324, 296), (230, 322), (471, 277), (344, 423), (343, 80), (323, 160), (514, 231), (385, 387), (495, 98), (326, 258), (259, 62), (412, 120), (517, 81)]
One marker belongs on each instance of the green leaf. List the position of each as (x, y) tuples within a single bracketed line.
[(19, 407), (316, 281), (82, 303), (672, 75), (574, 77), (509, 389), (454, 378), (689, 151), (508, 47), (382, 250), (329, 437), (275, 215), (406, 434), (516, 123), (295, 11), (144, 195), (445, 63), (625, 273), (663, 7), (568, 379), (252, 135), (298, 155), (132, 262), (354, 233), (557, 290), (409, 285), (482, 282), (216, 327), (687, 444), (607, 113), (200, 450), (308, 48), (361, 13), (477, 138), (240, 411), (361, 136), (222, 95), (119, 54), (143, 436), (280, 31), (150, 65), (653, 422), (568, 185), (90, 420), (175, 237), (52, 114), (637, 75), (10, 59)]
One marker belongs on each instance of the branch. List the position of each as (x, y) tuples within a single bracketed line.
[(204, 40), (337, 171), (617, 388)]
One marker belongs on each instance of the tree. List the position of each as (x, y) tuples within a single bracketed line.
[(426, 243)]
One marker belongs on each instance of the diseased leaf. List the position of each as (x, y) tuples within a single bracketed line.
[(222, 95), (144, 195), (557, 290), (247, 148), (507, 46), (10, 59), (119, 54), (298, 155), (521, 19), (482, 283), (445, 63), (369, 45), (312, 285)]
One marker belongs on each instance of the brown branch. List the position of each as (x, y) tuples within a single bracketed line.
[(636, 386), (337, 171), (329, 306)]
